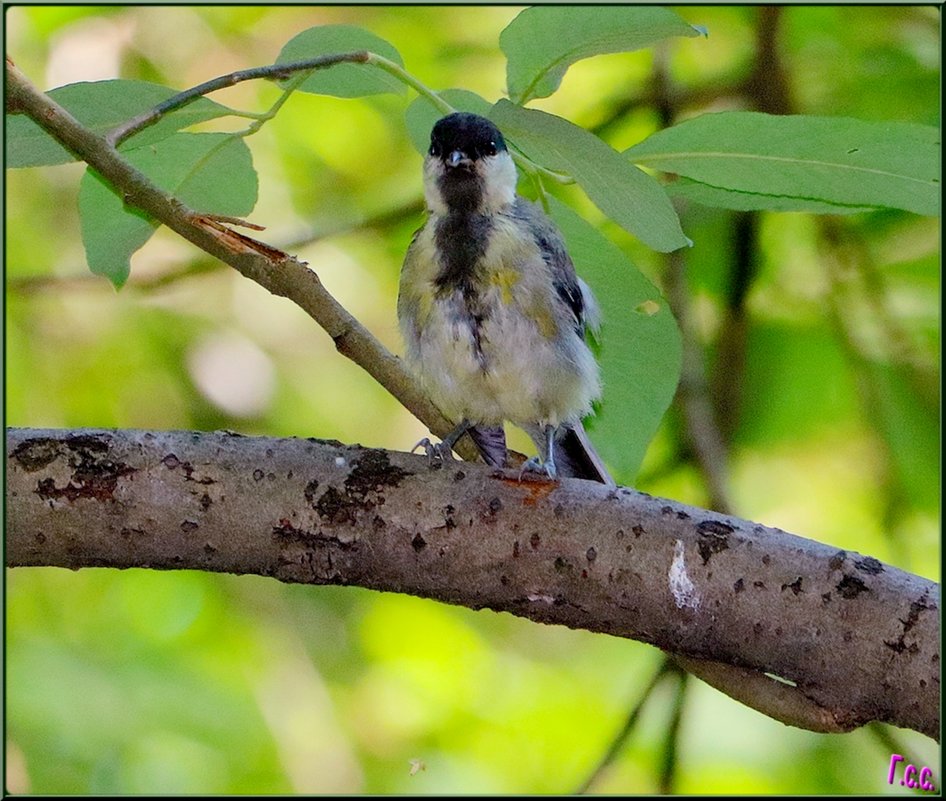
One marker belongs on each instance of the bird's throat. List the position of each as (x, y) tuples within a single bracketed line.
[(462, 239)]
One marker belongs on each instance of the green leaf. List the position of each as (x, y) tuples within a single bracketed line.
[(707, 195), (110, 231), (640, 352), (829, 159), (101, 106), (630, 197), (421, 114), (542, 42), (342, 80), (210, 172)]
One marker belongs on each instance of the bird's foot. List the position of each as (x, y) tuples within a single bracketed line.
[(437, 453), (536, 465)]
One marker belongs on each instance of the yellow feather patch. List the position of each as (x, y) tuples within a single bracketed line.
[(505, 280), (543, 318), (546, 323)]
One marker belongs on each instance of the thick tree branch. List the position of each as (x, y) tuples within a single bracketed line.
[(850, 637)]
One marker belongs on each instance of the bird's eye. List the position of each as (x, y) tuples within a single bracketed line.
[(490, 149), (434, 150)]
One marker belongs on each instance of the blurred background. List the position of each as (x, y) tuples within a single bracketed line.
[(810, 402)]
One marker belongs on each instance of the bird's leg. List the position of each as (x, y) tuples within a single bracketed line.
[(545, 462), (442, 451)]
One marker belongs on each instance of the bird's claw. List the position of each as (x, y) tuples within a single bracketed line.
[(536, 465), (437, 454)]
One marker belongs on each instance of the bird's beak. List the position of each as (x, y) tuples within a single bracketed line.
[(457, 158)]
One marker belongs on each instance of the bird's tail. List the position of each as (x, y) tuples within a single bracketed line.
[(575, 456), (491, 442)]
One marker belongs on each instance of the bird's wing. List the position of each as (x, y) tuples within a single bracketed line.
[(571, 290)]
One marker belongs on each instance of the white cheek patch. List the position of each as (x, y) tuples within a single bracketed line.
[(499, 174), (681, 588), (432, 196)]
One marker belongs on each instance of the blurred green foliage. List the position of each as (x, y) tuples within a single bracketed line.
[(147, 682)]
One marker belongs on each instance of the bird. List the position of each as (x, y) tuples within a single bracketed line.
[(492, 312)]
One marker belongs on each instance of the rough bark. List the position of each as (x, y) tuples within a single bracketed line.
[(859, 639)]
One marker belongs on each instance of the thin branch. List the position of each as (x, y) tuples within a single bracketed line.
[(856, 278), (403, 75), (274, 270), (666, 783), (848, 638), (273, 72), (444, 107), (889, 741), (266, 116), (700, 424), (885, 739), (766, 89), (627, 101), (693, 392), (843, 303), (623, 734), (281, 71)]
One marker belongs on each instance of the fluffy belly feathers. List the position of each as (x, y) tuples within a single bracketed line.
[(501, 365), (499, 343)]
